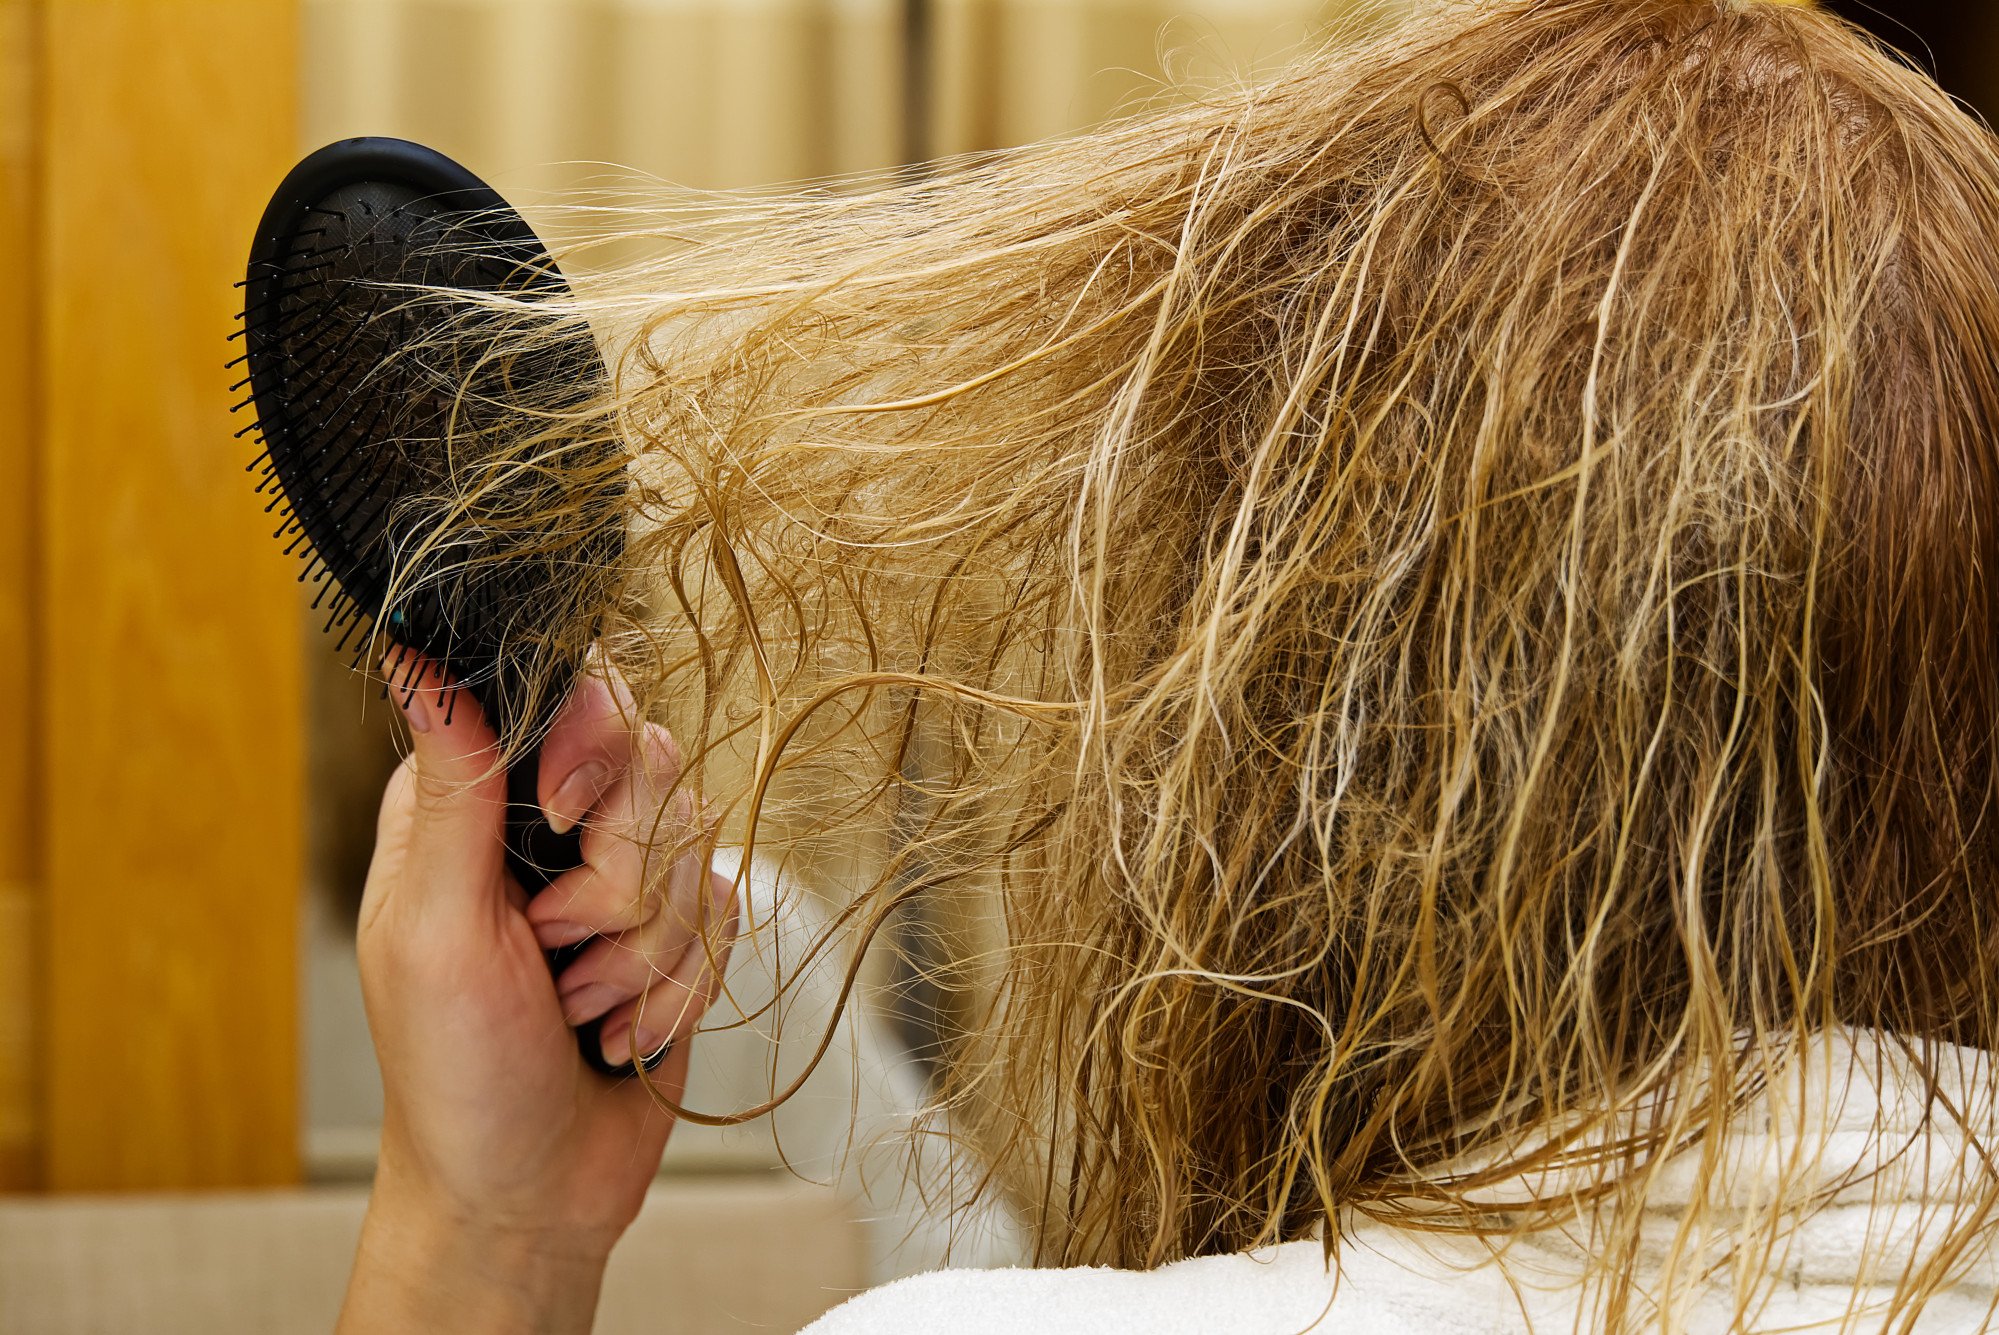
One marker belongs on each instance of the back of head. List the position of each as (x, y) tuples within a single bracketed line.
[(1445, 597)]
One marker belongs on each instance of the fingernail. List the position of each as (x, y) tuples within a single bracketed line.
[(588, 1002), (554, 934), (415, 711), (618, 1046), (575, 795)]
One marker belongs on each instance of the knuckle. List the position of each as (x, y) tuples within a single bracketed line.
[(663, 755), (431, 794), (610, 905)]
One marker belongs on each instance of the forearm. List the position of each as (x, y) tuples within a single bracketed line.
[(413, 1271)]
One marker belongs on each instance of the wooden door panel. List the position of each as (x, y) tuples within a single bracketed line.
[(168, 765)]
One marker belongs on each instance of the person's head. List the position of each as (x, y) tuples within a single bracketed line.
[(1444, 600)]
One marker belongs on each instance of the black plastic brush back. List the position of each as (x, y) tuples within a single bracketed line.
[(403, 444)]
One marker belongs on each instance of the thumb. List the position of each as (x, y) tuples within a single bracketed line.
[(446, 811)]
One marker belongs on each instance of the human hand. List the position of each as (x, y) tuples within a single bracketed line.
[(506, 1161)]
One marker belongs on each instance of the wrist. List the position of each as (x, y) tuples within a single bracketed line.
[(525, 1221), (423, 1265)]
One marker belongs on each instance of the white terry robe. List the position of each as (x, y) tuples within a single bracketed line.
[(1888, 1174)]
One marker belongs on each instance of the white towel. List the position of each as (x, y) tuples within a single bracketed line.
[(1858, 1115)]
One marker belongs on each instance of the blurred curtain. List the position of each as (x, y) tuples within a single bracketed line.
[(732, 93), (709, 93), (1005, 72)]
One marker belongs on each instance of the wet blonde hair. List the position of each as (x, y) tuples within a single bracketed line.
[(1444, 598)]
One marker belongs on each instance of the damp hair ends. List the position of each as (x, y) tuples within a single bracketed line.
[(1430, 616)]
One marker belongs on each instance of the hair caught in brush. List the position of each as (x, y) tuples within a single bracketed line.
[(1433, 611)]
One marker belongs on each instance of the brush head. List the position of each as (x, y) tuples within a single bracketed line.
[(409, 443)]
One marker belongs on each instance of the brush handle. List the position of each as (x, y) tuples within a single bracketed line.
[(536, 855)]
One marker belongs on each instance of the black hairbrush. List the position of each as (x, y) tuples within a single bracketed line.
[(403, 445)]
